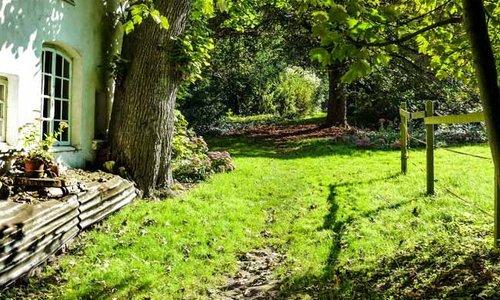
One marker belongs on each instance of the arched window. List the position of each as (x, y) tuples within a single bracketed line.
[(56, 92)]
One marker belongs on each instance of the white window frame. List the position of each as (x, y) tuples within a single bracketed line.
[(3, 115), (52, 99)]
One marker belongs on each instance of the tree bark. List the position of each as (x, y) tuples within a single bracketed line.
[(142, 120), (337, 104), (484, 61), (486, 71)]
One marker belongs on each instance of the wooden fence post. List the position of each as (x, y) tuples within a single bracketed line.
[(404, 140), (429, 128)]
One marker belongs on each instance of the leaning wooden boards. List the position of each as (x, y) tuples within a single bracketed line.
[(30, 234)]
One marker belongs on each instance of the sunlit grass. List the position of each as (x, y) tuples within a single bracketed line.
[(333, 208), (277, 120)]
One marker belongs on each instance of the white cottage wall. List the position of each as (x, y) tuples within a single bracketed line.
[(81, 31)]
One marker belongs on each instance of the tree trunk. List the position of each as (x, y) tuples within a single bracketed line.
[(141, 127), (337, 105), (487, 76)]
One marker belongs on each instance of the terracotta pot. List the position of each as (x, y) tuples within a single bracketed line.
[(34, 168)]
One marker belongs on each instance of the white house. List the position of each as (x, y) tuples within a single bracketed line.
[(53, 66)]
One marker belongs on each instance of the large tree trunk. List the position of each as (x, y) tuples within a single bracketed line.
[(141, 127), (487, 75), (337, 105)]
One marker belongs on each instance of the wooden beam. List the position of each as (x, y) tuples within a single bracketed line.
[(456, 119), (418, 115), (404, 113)]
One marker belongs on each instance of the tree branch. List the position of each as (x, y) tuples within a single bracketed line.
[(406, 22), (407, 37)]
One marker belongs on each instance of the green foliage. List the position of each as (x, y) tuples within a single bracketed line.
[(409, 80), (39, 148), (369, 33), (139, 10), (240, 73), (295, 94), (190, 161)]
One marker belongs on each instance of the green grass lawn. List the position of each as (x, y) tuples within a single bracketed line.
[(350, 225)]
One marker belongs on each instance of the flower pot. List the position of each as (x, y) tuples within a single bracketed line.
[(34, 168)]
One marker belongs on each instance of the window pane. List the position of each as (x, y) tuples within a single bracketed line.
[(56, 126), (46, 108), (66, 69), (59, 65), (58, 88), (65, 111), (47, 62), (65, 89), (2, 113), (57, 110), (45, 128), (46, 85), (2, 92), (65, 135)]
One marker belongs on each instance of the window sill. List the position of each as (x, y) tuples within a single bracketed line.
[(4, 147), (62, 149)]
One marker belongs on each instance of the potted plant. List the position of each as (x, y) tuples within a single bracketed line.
[(38, 153)]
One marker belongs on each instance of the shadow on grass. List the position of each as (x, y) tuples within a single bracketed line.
[(240, 146), (36, 288), (463, 268)]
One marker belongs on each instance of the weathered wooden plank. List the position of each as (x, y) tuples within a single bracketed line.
[(88, 195), (33, 217), (106, 211), (111, 184), (124, 185), (455, 119), (17, 244), (418, 115), (30, 234), (105, 196), (39, 182), (42, 254), (18, 255), (104, 204), (404, 113)]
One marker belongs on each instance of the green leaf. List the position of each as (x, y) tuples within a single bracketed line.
[(320, 16), (357, 70), (321, 55), (128, 27), (382, 59), (222, 6)]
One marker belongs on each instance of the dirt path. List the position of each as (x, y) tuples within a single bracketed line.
[(294, 132), (254, 279)]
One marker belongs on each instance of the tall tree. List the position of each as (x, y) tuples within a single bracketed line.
[(141, 126), (337, 99), (487, 75)]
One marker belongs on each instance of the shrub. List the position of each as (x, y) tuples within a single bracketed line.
[(295, 92), (191, 161), (221, 161)]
